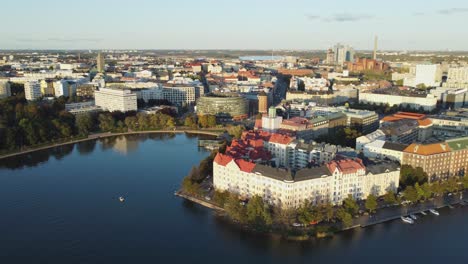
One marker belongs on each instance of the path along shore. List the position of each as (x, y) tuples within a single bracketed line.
[(109, 134)]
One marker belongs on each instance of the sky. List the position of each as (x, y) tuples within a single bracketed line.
[(239, 24)]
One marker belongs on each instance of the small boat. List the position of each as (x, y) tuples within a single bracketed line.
[(121, 199), (414, 217), (423, 213), (407, 220), (434, 212)]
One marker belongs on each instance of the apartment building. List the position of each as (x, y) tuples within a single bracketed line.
[(32, 90), (116, 100), (5, 89)]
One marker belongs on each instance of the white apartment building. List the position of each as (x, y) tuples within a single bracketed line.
[(5, 90), (381, 149), (428, 74), (116, 100), (429, 102), (182, 95), (32, 90), (457, 78), (330, 183), (65, 88)]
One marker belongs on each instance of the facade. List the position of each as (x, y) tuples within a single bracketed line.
[(226, 105), (428, 103), (271, 122), (5, 89), (450, 124), (262, 102), (100, 63), (116, 100), (365, 64), (457, 78), (429, 75), (381, 149), (343, 53), (47, 87), (85, 90), (440, 160), (32, 90), (182, 95), (331, 183), (362, 120)]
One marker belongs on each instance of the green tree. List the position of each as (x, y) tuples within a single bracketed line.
[(258, 212), (426, 191), (190, 122), (211, 121), (410, 194), (371, 203), (236, 131), (220, 198), (234, 209), (106, 122), (328, 212), (84, 124), (350, 205), (345, 217), (465, 182), (390, 198)]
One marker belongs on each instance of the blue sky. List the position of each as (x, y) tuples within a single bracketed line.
[(240, 24)]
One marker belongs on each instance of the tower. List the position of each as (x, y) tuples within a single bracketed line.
[(375, 47), (100, 62), (262, 102)]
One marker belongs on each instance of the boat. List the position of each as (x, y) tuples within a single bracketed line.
[(451, 206), (121, 199), (423, 213), (414, 217), (407, 220), (434, 212)]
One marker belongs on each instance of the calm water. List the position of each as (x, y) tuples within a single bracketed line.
[(60, 206)]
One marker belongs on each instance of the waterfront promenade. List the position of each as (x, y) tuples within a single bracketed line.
[(110, 134), (391, 213)]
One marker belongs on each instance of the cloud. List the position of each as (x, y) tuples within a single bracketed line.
[(342, 17), (455, 10), (92, 40)]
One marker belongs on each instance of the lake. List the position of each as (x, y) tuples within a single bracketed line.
[(61, 206)]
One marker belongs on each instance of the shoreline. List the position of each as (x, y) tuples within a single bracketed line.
[(359, 222), (107, 135)]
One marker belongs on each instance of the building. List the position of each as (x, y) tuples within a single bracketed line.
[(406, 127), (224, 105), (365, 64), (271, 122), (32, 90), (47, 87), (82, 108), (182, 95), (457, 78), (429, 75), (5, 89), (262, 102), (65, 88), (450, 124), (330, 183), (116, 100), (330, 57), (343, 53), (100, 63), (362, 120), (381, 150), (428, 102), (439, 160), (85, 90)]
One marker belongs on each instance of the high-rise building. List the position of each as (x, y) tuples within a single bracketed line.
[(343, 53), (5, 90), (116, 100), (330, 57), (47, 87), (32, 90), (100, 62), (262, 103), (457, 78)]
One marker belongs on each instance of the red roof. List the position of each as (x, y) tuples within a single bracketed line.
[(281, 139), (245, 166), (345, 166), (222, 159)]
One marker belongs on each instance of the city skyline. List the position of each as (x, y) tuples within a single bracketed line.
[(206, 25)]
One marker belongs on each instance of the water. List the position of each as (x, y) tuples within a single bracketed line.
[(61, 206)]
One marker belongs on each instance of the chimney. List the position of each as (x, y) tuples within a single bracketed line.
[(375, 47)]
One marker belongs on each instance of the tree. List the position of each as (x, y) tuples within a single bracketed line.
[(84, 124), (465, 182), (283, 217), (410, 194), (350, 205), (426, 191), (236, 131), (106, 122), (190, 187), (345, 217), (328, 212), (220, 198), (234, 209), (371, 203), (211, 122), (304, 215), (258, 213), (190, 122), (390, 198)]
